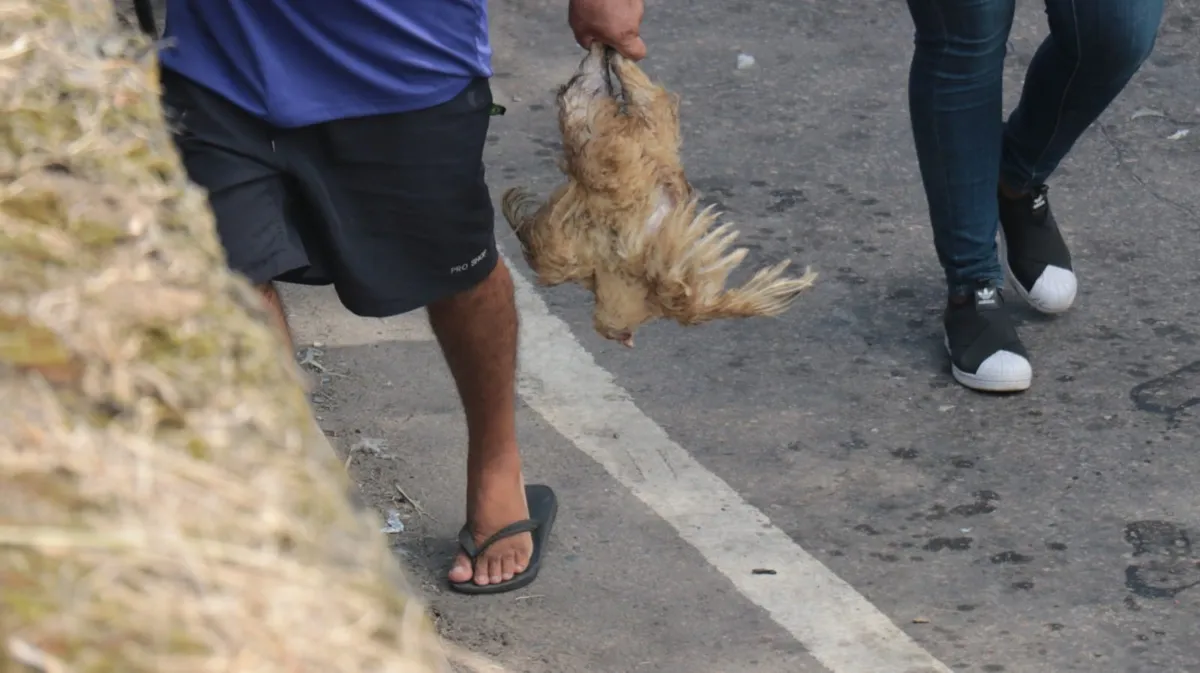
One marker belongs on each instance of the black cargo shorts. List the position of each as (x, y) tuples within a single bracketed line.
[(392, 210)]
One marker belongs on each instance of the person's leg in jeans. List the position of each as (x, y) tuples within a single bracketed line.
[(1093, 49), (955, 103), (955, 98)]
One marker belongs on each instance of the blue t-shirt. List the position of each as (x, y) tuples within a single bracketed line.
[(299, 62)]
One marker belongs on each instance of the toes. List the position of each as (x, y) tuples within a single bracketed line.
[(522, 555), (461, 571), (495, 571), (483, 576), (498, 565), (508, 566), (487, 570)]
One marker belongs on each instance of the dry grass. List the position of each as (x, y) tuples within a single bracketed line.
[(166, 500)]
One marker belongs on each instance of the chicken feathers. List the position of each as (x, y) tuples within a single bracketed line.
[(626, 225)]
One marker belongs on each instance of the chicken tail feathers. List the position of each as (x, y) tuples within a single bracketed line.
[(551, 249), (768, 293), (518, 206), (690, 262)]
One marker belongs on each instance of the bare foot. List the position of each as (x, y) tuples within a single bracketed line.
[(497, 501)]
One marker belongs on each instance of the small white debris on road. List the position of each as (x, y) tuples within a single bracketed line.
[(394, 523), (371, 445)]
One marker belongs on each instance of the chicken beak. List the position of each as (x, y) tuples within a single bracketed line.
[(627, 341)]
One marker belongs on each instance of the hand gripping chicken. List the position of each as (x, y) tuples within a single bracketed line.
[(626, 225)]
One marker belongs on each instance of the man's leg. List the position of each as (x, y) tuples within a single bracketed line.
[(477, 331), (222, 151), (278, 313), (410, 224), (1093, 50)]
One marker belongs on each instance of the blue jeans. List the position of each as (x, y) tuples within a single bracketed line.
[(964, 146)]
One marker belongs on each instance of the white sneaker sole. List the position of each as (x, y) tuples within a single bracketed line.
[(1060, 305), (1009, 382)]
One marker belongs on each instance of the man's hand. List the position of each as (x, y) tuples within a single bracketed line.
[(615, 23)]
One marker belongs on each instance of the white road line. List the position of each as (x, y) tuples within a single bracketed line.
[(561, 381)]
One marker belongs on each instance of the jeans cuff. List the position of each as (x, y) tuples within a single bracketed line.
[(1015, 182), (1019, 181), (958, 288)]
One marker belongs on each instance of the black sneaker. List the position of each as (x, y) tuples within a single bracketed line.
[(985, 351), (1034, 253)]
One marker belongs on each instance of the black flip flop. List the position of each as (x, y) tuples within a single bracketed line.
[(543, 506)]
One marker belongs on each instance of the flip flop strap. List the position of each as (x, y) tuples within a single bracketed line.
[(467, 541)]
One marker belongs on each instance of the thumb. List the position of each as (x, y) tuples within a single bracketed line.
[(632, 48)]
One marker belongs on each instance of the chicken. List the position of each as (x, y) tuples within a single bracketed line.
[(627, 225)]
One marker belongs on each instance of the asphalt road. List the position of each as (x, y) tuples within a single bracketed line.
[(1049, 531)]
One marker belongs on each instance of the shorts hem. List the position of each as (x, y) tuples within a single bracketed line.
[(369, 308), (276, 266)]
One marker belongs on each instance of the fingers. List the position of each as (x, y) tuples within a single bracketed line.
[(612, 22), (633, 49)]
